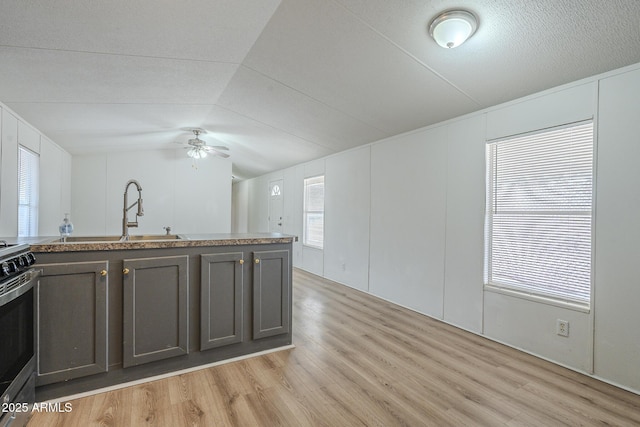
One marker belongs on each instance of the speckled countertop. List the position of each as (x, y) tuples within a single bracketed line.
[(53, 244)]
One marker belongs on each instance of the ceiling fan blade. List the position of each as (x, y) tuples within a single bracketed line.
[(219, 154), (214, 148)]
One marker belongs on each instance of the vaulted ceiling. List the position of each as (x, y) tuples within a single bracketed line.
[(283, 82)]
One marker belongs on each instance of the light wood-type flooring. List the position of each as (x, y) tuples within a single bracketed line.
[(361, 361)]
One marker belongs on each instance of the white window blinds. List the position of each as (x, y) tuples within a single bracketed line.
[(313, 232), (28, 177), (539, 213)]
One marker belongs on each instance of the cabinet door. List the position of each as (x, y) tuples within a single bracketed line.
[(155, 309), (220, 299), (71, 314), (271, 293)]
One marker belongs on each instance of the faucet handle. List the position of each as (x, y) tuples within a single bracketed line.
[(168, 228)]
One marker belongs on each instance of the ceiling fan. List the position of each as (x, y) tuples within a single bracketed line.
[(198, 149)]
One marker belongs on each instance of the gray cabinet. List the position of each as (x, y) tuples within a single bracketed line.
[(155, 309), (221, 281), (169, 308), (271, 293), (71, 317)]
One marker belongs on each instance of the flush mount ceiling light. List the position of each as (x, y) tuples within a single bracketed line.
[(452, 28)]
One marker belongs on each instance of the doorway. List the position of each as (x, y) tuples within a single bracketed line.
[(276, 206)]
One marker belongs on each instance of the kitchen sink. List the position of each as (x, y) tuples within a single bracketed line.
[(83, 239), (147, 237), (132, 238)]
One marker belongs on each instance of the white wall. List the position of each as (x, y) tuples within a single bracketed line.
[(617, 277), (9, 175), (258, 204), (425, 238), (239, 203), (464, 252), (190, 200), (54, 182), (55, 173), (408, 208), (347, 207)]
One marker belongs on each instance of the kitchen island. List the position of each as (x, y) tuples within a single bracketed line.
[(110, 311)]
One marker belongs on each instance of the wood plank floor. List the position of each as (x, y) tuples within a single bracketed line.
[(360, 361)]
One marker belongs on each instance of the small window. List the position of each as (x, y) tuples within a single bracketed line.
[(539, 213), (28, 166), (313, 230)]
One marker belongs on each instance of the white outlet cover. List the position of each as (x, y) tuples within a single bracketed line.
[(562, 328)]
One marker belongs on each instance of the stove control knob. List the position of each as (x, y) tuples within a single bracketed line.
[(12, 266), (4, 269), (22, 261), (31, 258)]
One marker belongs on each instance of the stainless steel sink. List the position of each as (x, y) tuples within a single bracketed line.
[(102, 239), (84, 239), (148, 237)]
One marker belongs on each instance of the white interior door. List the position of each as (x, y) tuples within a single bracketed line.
[(275, 206)]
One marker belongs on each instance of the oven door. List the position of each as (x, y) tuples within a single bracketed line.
[(17, 360)]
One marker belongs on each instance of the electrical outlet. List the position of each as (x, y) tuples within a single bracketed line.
[(562, 328)]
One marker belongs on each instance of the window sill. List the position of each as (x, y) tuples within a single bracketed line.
[(575, 306), (317, 248)]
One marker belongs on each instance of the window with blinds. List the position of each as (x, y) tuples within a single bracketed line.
[(28, 177), (539, 213), (313, 230)]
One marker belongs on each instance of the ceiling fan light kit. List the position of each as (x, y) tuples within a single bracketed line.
[(196, 153), (453, 27), (198, 149)]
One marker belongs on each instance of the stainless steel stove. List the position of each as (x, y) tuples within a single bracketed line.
[(17, 335)]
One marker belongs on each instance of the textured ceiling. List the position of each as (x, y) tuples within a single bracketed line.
[(283, 82)]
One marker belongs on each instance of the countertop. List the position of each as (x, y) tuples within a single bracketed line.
[(53, 244)]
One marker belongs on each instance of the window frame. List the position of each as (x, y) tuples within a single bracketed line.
[(306, 212), (526, 292)]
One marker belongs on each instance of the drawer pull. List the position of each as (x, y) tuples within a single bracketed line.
[(257, 260), (103, 273), (125, 271), (241, 261)]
